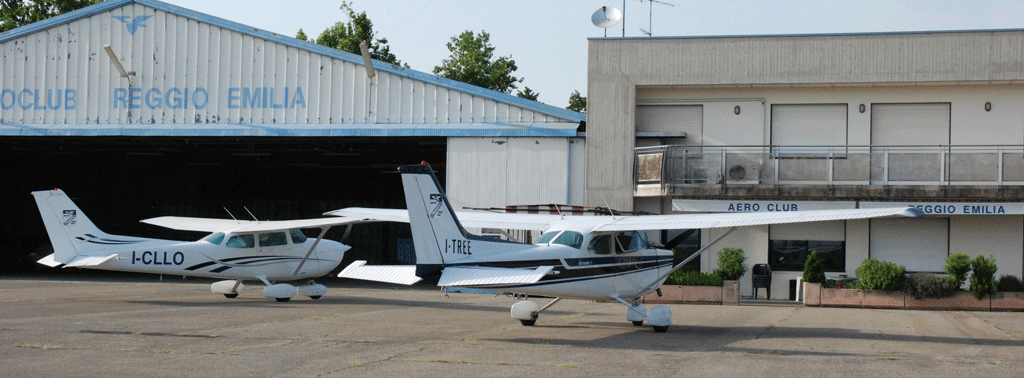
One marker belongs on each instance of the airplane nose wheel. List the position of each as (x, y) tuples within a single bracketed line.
[(231, 296)]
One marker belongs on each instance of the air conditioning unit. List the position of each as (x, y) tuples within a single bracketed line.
[(743, 174)]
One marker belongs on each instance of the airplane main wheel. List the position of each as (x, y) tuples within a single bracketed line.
[(231, 296), (660, 329), (638, 323), (282, 299), (528, 323), (314, 297)]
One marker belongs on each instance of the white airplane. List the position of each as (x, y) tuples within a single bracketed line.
[(266, 251), (598, 258)]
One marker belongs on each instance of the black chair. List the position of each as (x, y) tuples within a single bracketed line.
[(763, 278)]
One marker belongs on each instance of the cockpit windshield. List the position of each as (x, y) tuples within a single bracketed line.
[(547, 237), (570, 238), (214, 238)]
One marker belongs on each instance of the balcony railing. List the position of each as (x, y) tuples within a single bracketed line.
[(683, 165)]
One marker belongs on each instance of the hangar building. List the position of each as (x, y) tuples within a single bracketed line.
[(801, 122), (212, 114)]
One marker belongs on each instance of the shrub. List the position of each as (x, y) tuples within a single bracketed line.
[(814, 269), (834, 284), (957, 267), (930, 286), (880, 275), (983, 276), (693, 278), (1009, 283), (731, 264)]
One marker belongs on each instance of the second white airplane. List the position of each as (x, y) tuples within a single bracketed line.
[(264, 251), (598, 258)]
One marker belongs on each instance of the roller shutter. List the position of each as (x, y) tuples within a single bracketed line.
[(809, 125), (823, 231), (672, 118), (920, 244), (910, 124)]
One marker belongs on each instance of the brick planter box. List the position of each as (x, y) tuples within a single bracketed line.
[(842, 297), (1008, 301), (687, 295), (812, 294), (963, 300), (884, 299)]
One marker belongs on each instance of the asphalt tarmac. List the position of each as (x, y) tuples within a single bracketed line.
[(109, 328)]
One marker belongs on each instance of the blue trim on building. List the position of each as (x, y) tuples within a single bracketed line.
[(91, 10), (558, 130)]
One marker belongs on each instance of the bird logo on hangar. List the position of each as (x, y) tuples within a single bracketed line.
[(133, 24)]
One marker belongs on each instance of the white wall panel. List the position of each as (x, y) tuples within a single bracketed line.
[(496, 172)]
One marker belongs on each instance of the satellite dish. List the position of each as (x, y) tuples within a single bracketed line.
[(606, 17)]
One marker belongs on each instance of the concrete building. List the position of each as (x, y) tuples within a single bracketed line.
[(800, 122), (209, 113)]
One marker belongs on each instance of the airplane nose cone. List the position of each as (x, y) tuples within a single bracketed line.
[(332, 249)]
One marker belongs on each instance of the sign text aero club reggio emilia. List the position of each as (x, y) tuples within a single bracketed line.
[(156, 98)]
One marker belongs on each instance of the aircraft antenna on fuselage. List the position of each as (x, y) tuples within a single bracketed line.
[(250, 214), (231, 215), (609, 208)]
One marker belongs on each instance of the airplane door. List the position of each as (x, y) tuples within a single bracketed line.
[(629, 250)]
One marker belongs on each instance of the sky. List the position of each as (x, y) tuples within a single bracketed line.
[(548, 39)]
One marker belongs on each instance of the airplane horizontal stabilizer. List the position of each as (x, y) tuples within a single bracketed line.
[(85, 261), (399, 274), (476, 276), (49, 261)]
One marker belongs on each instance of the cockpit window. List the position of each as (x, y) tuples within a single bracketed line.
[(241, 241), (215, 238), (297, 236), (272, 239), (601, 245), (630, 241), (570, 238), (546, 238)]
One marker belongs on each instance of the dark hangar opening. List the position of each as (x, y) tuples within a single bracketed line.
[(117, 181)]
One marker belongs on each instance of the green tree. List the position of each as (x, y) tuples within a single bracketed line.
[(983, 276), (472, 62), (731, 264), (17, 13), (957, 266), (528, 94), (301, 35), (577, 103), (814, 269), (346, 36)]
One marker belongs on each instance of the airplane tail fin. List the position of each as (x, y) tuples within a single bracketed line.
[(437, 235), (70, 231)]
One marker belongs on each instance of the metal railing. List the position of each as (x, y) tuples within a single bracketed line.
[(683, 165)]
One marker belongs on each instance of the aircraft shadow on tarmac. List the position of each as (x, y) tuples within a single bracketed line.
[(297, 302), (718, 339)]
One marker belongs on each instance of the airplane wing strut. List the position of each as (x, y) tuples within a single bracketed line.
[(688, 259), (323, 230)]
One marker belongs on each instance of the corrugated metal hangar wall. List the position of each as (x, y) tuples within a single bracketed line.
[(217, 114)]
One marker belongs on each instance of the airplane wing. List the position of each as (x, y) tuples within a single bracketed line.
[(638, 222), (476, 219), (697, 221), (216, 225)]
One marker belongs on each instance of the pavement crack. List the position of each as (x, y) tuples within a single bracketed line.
[(776, 323)]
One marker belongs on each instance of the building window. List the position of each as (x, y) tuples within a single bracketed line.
[(790, 255), (790, 244)]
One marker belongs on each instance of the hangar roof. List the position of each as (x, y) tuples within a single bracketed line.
[(199, 75)]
